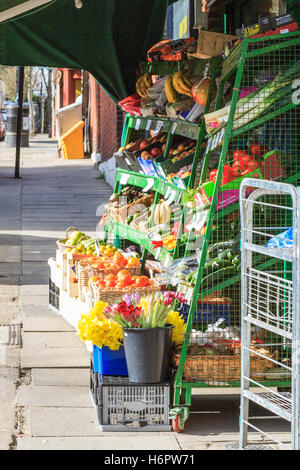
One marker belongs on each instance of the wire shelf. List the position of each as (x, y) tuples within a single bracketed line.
[(269, 300)]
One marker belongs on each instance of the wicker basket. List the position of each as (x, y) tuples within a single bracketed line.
[(120, 215), (61, 244), (113, 295), (220, 368), (84, 272)]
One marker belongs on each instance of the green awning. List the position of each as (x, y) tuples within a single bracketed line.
[(106, 37)]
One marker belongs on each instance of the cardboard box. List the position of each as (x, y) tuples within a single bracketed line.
[(211, 44), (269, 26)]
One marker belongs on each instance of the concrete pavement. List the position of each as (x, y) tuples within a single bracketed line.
[(44, 398)]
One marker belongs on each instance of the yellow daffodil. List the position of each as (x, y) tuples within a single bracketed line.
[(95, 327), (174, 318)]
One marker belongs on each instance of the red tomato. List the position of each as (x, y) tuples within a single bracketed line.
[(236, 170), (225, 180), (243, 162), (227, 172), (239, 153), (258, 150), (253, 164), (212, 175)]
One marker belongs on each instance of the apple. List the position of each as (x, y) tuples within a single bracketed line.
[(143, 144), (155, 152), (181, 147)]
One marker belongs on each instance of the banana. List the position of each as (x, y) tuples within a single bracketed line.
[(164, 213), (156, 215), (140, 88), (170, 90), (147, 80), (186, 81), (179, 85)]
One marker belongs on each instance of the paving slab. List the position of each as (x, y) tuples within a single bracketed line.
[(32, 395), (111, 443), (7, 423), (7, 390), (41, 340), (34, 290), (63, 377), (41, 300), (10, 268), (10, 253), (34, 268), (54, 357), (52, 322), (63, 421)]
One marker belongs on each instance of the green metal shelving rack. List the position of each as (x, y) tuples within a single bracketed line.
[(254, 57)]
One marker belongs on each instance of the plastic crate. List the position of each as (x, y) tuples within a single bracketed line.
[(54, 293), (209, 312), (93, 383), (107, 362), (125, 406)]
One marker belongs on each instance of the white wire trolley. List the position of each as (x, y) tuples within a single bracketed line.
[(270, 231)]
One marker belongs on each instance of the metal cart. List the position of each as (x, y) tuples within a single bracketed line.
[(270, 301)]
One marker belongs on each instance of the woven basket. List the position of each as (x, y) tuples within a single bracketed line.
[(84, 272), (61, 244), (220, 368), (120, 215), (113, 295)]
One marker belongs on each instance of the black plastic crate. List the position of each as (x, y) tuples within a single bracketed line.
[(54, 293), (125, 406)]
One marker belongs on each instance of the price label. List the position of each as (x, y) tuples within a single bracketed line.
[(171, 197), (173, 128), (148, 124), (137, 124), (157, 253), (168, 192), (149, 185), (124, 178), (159, 126), (97, 246), (167, 259), (208, 146)]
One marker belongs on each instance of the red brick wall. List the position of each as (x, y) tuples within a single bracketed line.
[(94, 115), (106, 122)]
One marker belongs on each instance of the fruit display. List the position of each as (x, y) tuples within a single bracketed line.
[(122, 280)]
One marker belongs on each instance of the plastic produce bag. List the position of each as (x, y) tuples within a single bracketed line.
[(283, 240), (131, 104), (178, 270)]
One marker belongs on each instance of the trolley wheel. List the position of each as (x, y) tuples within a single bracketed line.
[(178, 424)]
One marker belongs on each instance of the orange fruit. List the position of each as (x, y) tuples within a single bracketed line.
[(142, 281), (133, 262)]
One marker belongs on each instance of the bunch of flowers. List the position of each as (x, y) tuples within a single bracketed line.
[(152, 312), (100, 330), (174, 318)]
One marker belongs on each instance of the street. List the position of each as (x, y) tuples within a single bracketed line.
[(44, 371)]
